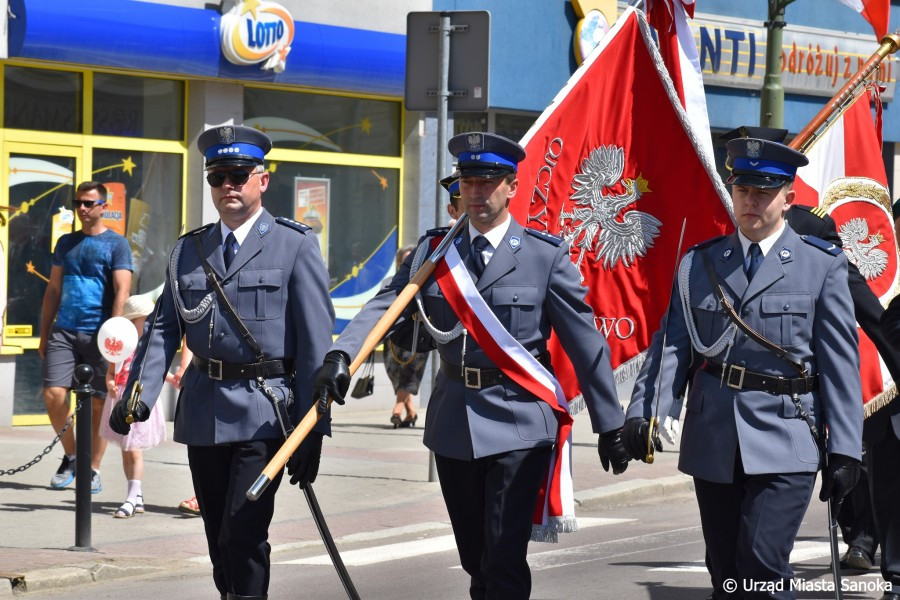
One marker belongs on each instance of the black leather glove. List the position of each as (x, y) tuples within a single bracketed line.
[(120, 411), (332, 379), (838, 478), (612, 451), (303, 466), (634, 436)]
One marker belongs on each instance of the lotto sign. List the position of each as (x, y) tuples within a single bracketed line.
[(257, 31)]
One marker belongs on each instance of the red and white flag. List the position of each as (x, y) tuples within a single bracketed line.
[(876, 12), (679, 53), (846, 177), (612, 166)]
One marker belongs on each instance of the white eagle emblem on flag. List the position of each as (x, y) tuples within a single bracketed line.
[(861, 248), (597, 221)]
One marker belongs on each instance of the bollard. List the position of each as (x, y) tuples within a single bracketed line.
[(83, 393)]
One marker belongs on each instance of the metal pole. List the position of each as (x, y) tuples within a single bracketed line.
[(771, 105), (83, 432), (440, 214)]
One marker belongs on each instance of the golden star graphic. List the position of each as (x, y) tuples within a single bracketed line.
[(366, 125), (251, 6), (128, 166)]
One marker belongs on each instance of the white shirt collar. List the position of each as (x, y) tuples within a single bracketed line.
[(494, 236), (764, 245), (240, 234)]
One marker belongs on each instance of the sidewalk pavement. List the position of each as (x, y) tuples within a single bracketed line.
[(373, 482)]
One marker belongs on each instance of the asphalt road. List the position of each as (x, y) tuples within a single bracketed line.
[(647, 551)]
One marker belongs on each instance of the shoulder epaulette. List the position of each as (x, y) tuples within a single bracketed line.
[(544, 236), (200, 229), (822, 244), (815, 210), (297, 225), (437, 231), (706, 243)]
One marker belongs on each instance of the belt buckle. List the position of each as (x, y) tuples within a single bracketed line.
[(472, 371), (214, 369), (740, 382)]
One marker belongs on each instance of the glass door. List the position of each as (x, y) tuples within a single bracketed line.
[(38, 187)]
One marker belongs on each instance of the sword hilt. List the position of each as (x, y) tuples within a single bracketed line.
[(136, 390), (652, 435)]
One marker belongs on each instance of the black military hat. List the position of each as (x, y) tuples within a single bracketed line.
[(231, 145), (481, 154), (763, 163), (451, 184), (761, 133)]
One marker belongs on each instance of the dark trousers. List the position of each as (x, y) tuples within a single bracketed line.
[(491, 501), (883, 457), (237, 530), (855, 517), (749, 527)]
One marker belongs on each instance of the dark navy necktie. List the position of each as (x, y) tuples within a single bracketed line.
[(230, 249), (478, 247), (756, 258)]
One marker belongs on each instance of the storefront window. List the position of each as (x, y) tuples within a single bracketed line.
[(42, 99), (138, 107), (351, 209), (324, 123), (144, 206), (511, 126)]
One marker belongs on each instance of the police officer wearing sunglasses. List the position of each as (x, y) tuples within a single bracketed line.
[(250, 294)]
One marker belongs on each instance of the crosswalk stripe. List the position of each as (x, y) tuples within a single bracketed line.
[(803, 551), (401, 550)]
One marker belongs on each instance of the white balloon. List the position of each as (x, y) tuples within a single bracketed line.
[(117, 339)]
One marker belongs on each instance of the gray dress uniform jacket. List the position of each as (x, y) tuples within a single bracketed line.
[(278, 284), (531, 284), (799, 299)]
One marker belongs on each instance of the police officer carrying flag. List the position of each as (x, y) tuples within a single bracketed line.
[(250, 295), (766, 316), (492, 437)]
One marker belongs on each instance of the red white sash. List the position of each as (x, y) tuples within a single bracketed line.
[(555, 509)]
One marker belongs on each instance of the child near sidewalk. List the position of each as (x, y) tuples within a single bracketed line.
[(142, 436)]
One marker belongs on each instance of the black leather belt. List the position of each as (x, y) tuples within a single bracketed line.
[(739, 378), (218, 370), (476, 378)]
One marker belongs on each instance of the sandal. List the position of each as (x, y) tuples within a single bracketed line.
[(126, 511), (190, 506), (139, 505)]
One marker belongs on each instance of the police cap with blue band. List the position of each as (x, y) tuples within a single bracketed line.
[(763, 163), (481, 154), (233, 145), (451, 184)]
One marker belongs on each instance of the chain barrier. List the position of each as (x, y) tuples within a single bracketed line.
[(47, 450)]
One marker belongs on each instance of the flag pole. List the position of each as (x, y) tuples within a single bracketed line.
[(392, 313), (845, 97)]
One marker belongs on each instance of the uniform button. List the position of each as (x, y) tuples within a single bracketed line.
[(743, 363), (220, 336), (190, 284), (260, 279), (515, 297), (787, 306), (747, 310), (709, 304)]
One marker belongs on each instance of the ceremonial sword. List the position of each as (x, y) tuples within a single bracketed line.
[(653, 430)]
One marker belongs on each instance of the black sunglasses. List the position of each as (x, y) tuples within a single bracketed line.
[(85, 203), (235, 176)]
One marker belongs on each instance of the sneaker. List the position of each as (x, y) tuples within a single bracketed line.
[(65, 474), (96, 488)]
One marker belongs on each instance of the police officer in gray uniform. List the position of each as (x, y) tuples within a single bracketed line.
[(766, 378), (256, 342), (492, 439)]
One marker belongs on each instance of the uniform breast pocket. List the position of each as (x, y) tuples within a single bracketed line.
[(515, 308), (193, 288), (260, 294), (709, 318), (785, 317)]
